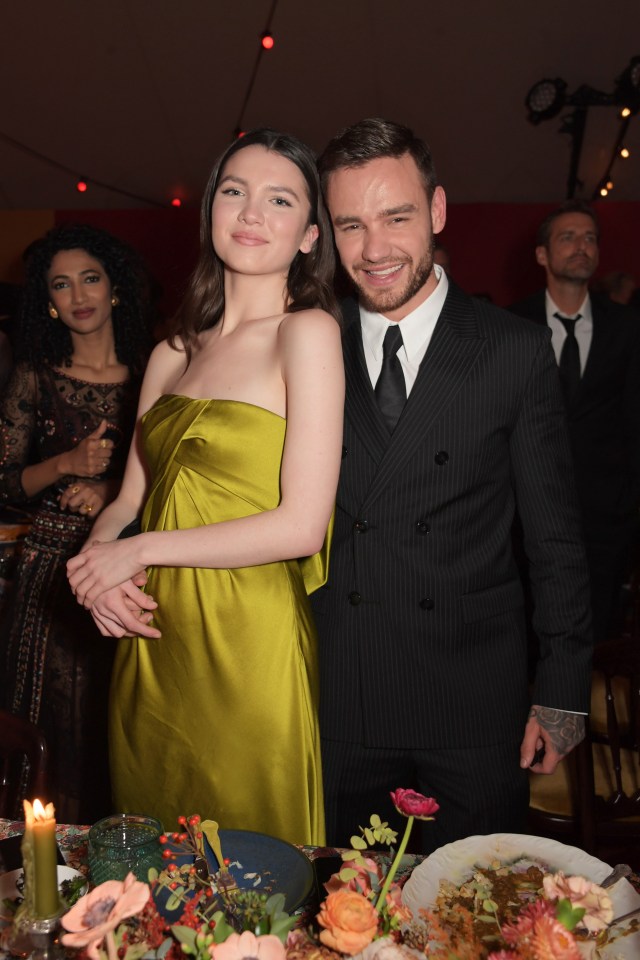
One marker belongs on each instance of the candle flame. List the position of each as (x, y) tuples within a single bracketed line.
[(37, 813)]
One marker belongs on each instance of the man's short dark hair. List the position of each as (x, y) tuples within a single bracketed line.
[(374, 139), (569, 206)]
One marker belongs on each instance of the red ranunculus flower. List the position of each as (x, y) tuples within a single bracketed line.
[(412, 804)]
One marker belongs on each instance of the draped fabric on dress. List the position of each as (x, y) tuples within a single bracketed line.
[(219, 716)]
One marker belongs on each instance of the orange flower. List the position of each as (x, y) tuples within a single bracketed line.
[(551, 941), (350, 921)]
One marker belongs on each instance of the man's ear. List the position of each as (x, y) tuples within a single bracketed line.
[(438, 210), (541, 256)]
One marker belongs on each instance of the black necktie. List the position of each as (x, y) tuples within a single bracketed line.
[(391, 390), (569, 364)]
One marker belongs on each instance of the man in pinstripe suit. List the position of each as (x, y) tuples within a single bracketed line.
[(422, 636)]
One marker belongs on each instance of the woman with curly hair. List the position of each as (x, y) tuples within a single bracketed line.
[(66, 420)]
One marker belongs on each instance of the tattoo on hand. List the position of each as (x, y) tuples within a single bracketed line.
[(565, 730)]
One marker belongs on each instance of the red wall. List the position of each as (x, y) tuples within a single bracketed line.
[(491, 245)]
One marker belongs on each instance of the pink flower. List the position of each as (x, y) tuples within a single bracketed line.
[(246, 946), (551, 941), (99, 912), (395, 906), (523, 926), (387, 949), (350, 921), (361, 883), (412, 804), (582, 893)]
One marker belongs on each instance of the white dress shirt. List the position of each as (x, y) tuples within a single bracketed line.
[(583, 328), (416, 328)]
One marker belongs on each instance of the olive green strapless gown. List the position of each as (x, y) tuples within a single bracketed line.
[(219, 716)]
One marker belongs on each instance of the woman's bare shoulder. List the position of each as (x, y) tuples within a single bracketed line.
[(166, 364), (314, 322)]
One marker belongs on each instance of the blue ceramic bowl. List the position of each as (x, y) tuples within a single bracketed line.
[(263, 863)]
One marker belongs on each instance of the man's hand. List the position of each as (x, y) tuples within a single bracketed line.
[(555, 733)]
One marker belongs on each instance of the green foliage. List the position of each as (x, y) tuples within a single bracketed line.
[(568, 915)]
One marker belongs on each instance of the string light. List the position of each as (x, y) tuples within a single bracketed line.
[(74, 173), (82, 183), (606, 183), (267, 41)]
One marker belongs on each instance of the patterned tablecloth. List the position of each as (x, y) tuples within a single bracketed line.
[(73, 842)]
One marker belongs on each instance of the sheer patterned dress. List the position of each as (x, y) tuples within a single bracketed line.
[(54, 664)]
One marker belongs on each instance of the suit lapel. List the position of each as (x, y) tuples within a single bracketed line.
[(601, 333), (452, 352), (361, 408)]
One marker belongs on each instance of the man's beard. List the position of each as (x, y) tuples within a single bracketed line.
[(386, 301), (576, 271)]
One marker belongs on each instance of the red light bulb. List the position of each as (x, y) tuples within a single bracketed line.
[(81, 186), (267, 40), (176, 202)]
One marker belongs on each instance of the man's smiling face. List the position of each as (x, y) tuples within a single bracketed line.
[(384, 228)]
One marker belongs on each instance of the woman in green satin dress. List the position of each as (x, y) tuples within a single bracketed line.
[(233, 472)]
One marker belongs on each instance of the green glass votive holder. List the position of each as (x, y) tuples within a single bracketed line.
[(124, 843)]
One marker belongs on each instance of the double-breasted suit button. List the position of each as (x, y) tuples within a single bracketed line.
[(441, 458), (361, 526), (422, 526), (344, 452), (354, 598), (427, 604)]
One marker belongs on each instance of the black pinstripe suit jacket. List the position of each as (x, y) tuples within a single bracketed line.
[(422, 639)]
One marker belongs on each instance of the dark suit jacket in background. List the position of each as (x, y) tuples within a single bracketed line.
[(604, 420), (422, 634), (604, 429)]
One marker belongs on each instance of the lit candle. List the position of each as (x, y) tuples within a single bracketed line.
[(39, 846)]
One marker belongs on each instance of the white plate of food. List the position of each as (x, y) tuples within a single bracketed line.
[(455, 863), (72, 884)]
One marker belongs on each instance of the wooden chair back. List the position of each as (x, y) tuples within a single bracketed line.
[(593, 799), (20, 740), (618, 662)]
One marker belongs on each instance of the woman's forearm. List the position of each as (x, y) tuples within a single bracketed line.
[(248, 541), (38, 476)]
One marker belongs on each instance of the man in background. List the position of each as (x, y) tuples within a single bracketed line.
[(597, 347)]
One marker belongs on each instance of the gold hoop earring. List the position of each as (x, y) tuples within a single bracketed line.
[(53, 313), (114, 301)]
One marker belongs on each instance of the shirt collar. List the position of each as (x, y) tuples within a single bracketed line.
[(415, 327), (584, 311)]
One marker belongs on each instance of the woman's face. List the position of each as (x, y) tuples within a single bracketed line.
[(80, 291), (260, 213)]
